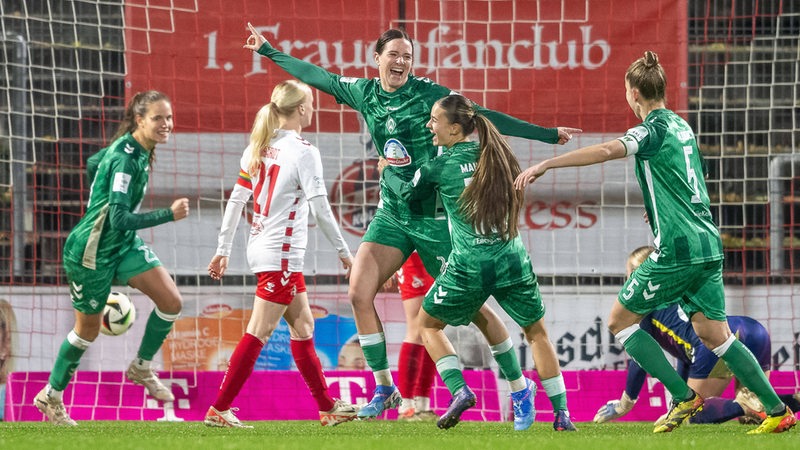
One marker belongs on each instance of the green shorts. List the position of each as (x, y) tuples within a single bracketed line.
[(89, 288), (429, 237), (696, 287), (455, 305)]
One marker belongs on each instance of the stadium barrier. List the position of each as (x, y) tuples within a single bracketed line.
[(282, 395)]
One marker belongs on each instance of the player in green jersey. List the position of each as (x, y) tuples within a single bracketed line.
[(396, 106), (475, 182), (103, 248), (686, 265)]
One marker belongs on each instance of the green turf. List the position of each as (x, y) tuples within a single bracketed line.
[(382, 435)]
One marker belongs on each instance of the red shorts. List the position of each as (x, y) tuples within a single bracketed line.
[(412, 278), (277, 287)]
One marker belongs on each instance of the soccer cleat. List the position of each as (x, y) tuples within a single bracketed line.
[(680, 411), (425, 416), (461, 401), (776, 424), (752, 407), (53, 409), (340, 413), (563, 422), (385, 397), (522, 404), (223, 419), (149, 379)]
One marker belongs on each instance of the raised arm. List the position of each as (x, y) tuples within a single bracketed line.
[(306, 72)]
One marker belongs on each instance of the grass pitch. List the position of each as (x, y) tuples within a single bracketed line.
[(380, 434)]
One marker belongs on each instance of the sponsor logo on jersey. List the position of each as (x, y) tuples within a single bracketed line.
[(396, 154), (348, 80), (121, 182), (638, 133), (467, 168), (129, 149)]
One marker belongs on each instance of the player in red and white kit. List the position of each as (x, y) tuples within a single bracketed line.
[(415, 367), (283, 173)]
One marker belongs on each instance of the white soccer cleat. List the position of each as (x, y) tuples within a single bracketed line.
[(149, 379), (223, 419), (53, 409), (341, 412)]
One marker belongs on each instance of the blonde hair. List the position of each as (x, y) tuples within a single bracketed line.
[(490, 202), (637, 257), (286, 98), (647, 75)]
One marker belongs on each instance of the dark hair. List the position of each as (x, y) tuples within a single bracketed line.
[(647, 75), (138, 107), (390, 35), (490, 202)]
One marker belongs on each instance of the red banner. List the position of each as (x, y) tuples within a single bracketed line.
[(551, 62)]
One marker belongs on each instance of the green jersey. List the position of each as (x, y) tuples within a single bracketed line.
[(396, 121), (670, 173), (478, 260), (119, 176)]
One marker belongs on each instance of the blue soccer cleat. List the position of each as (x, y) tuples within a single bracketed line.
[(385, 397), (463, 400), (563, 422), (524, 410)]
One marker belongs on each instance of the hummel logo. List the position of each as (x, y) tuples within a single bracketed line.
[(285, 278), (438, 296), (650, 292)]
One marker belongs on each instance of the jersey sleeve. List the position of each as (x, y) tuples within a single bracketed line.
[(421, 186), (637, 141), (122, 219), (349, 91), (310, 173), (511, 126)]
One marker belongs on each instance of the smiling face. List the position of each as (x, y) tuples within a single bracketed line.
[(155, 126), (394, 64), (444, 132)]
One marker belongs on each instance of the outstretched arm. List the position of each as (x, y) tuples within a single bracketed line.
[(594, 154), (511, 126)]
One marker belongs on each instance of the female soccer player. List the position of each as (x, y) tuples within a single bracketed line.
[(396, 107), (104, 248), (283, 173), (702, 369), (686, 266), (475, 183)]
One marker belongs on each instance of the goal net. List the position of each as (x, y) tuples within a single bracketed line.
[(69, 67)]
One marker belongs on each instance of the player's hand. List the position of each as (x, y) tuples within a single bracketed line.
[(255, 40), (529, 175), (217, 266), (347, 262), (614, 409), (180, 209), (382, 163), (565, 134)]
